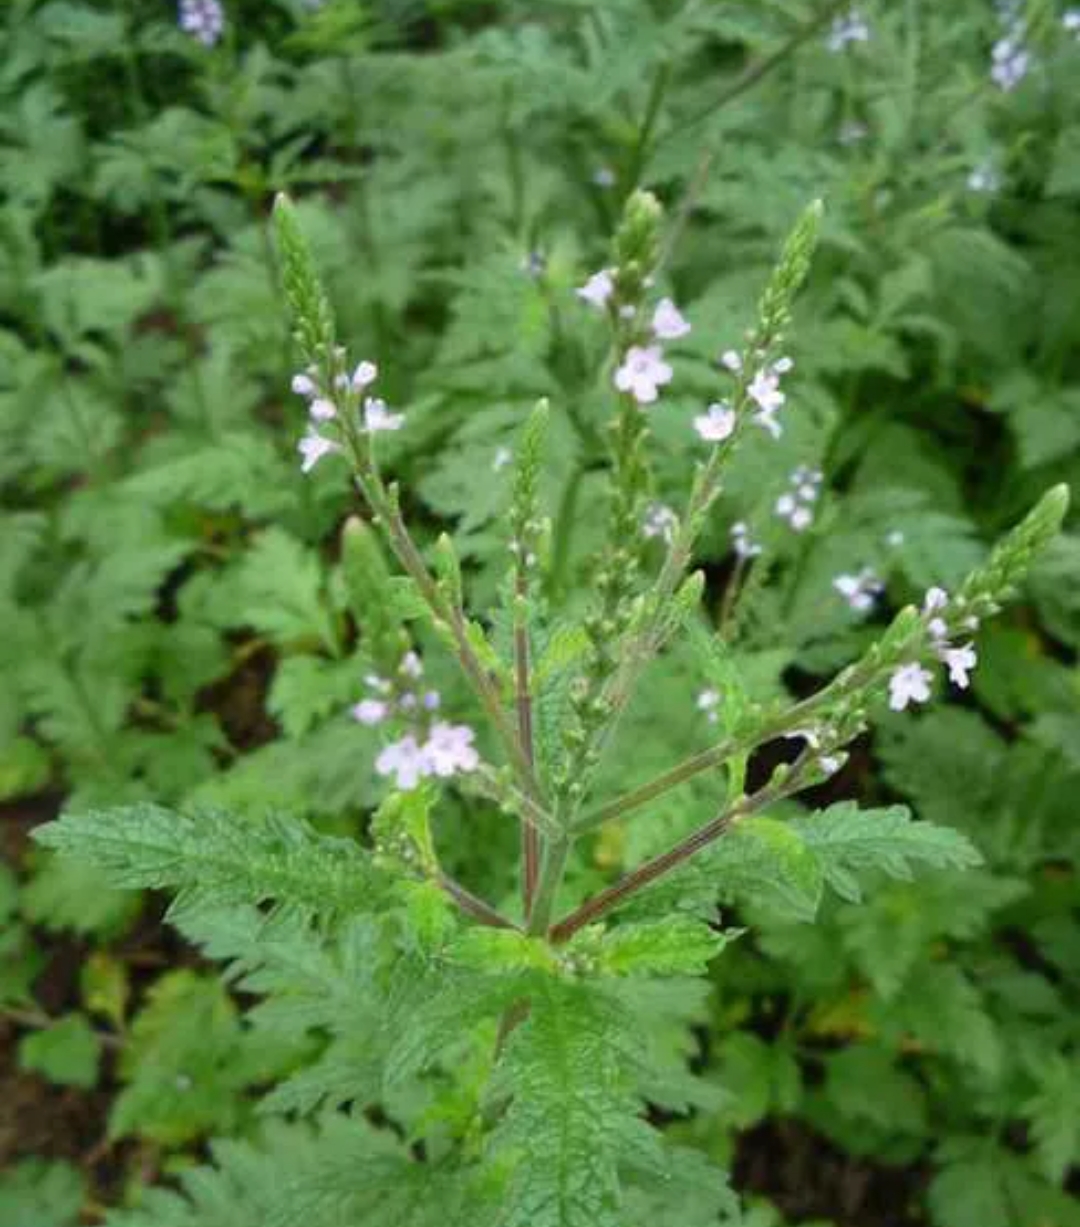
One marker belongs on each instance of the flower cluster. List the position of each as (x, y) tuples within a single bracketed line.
[(763, 389), (848, 28), (861, 591), (1010, 60), (717, 423), (910, 682), (796, 505), (431, 747), (643, 370), (202, 19), (323, 409)]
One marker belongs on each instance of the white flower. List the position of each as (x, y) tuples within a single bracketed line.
[(660, 521), (322, 410), (800, 518), (365, 373), (894, 538), (934, 601), (707, 702), (717, 424), (668, 322), (405, 760), (797, 505), (313, 447), (377, 417), (830, 764), (960, 662), (202, 19), (849, 28), (598, 289), (379, 684), (731, 360), (304, 385), (502, 457), (860, 591), (764, 391), (449, 749), (371, 711), (643, 371), (1071, 21), (909, 684), (741, 541)]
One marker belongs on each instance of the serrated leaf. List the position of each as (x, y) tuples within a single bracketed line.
[(678, 946), (847, 839)]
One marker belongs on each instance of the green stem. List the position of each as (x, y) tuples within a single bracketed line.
[(556, 854)]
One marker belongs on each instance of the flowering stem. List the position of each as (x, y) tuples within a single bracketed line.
[(530, 837), (641, 877), (473, 906), (648, 125)]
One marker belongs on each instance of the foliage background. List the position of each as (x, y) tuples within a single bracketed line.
[(175, 621)]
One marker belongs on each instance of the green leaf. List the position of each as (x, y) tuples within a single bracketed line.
[(65, 893), (38, 1193), (220, 856), (677, 946), (569, 1101), (847, 839), (1053, 1116), (66, 1052)]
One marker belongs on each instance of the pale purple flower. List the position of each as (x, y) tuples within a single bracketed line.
[(431, 700), (411, 665), (322, 410), (764, 391), (1070, 21), (668, 322), (960, 661), (377, 417), (604, 176), (405, 760), (660, 521), (371, 711), (847, 28), (934, 602), (304, 385), (598, 289), (366, 373), (909, 684), (717, 424), (643, 372), (741, 541), (313, 447), (202, 19), (1010, 61), (861, 590), (731, 360), (449, 749)]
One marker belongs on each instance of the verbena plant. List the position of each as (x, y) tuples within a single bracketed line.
[(496, 1062)]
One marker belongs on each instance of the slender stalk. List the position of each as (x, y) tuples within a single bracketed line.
[(530, 837), (474, 906), (648, 125), (639, 878)]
